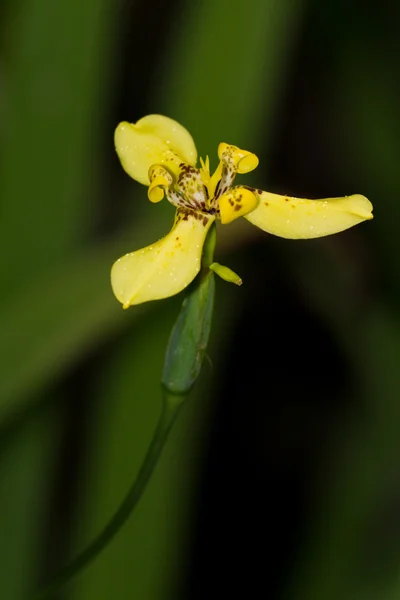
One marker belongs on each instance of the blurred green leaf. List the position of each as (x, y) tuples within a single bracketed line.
[(60, 315), (53, 57), (225, 70), (54, 61), (25, 465), (53, 76)]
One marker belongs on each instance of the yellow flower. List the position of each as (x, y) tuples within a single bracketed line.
[(160, 153)]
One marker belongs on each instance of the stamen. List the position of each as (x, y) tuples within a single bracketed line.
[(205, 170), (190, 189)]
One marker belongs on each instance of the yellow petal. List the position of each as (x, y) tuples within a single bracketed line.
[(164, 268), (155, 193), (214, 179), (160, 179), (296, 218), (235, 203), (153, 139)]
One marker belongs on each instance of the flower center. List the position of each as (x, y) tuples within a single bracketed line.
[(196, 191)]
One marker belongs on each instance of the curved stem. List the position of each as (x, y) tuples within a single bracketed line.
[(183, 360), (167, 418)]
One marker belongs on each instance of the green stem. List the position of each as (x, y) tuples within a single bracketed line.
[(183, 361), (171, 406)]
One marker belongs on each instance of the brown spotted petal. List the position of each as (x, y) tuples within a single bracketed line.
[(236, 202)]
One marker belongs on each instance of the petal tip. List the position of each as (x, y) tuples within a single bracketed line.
[(248, 163), (120, 131), (362, 207)]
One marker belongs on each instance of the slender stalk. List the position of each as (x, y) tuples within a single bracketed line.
[(183, 360), (171, 406)]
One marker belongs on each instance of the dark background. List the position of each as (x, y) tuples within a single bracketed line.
[(281, 479)]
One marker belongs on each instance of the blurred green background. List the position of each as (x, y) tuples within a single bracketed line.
[(282, 477)]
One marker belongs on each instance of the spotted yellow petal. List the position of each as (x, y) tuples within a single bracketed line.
[(164, 268), (153, 139), (296, 218), (235, 203), (242, 160)]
